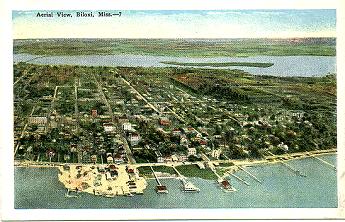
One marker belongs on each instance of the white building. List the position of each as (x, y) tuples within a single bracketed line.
[(134, 138), (191, 151), (40, 120), (108, 127), (216, 153), (127, 127), (283, 147), (110, 159)]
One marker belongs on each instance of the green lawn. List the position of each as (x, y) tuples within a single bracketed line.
[(195, 171), (164, 169)]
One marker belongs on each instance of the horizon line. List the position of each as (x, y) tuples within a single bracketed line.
[(172, 38)]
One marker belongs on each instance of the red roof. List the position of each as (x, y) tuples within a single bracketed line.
[(112, 166), (164, 122), (225, 183), (161, 187), (203, 142)]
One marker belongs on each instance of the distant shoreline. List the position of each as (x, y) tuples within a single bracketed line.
[(183, 47)]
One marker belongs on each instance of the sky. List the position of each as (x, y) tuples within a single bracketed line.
[(179, 24)]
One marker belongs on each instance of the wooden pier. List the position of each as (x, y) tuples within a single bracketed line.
[(250, 174), (225, 184), (159, 188), (240, 179), (297, 172), (325, 162)]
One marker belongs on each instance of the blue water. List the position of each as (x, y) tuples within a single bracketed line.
[(283, 65), (280, 188)]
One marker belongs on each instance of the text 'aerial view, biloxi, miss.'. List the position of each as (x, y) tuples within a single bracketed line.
[(61, 14)]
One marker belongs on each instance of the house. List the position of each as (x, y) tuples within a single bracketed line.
[(191, 129), (73, 148), (164, 121), (160, 159), (216, 153), (111, 175), (94, 158), (174, 158), (39, 120), (298, 114), (191, 151), (182, 158), (94, 113), (176, 132), (283, 147), (167, 159), (110, 159), (203, 142), (201, 165), (130, 170), (108, 127), (183, 140), (134, 138), (118, 158), (127, 127)]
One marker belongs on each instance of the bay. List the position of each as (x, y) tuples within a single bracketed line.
[(283, 65)]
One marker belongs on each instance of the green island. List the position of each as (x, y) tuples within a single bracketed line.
[(179, 47), (220, 64)]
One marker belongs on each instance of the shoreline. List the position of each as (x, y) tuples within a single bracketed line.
[(246, 162), (110, 180)]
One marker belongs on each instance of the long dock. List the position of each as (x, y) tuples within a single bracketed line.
[(223, 182), (250, 174), (159, 188), (297, 172), (239, 178), (325, 162), (158, 182)]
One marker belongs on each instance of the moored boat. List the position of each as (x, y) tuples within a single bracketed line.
[(190, 187)]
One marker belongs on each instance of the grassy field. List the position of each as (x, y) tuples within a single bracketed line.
[(164, 169), (195, 171), (179, 47), (145, 170), (220, 64)]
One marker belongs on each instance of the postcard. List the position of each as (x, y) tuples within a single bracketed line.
[(158, 113)]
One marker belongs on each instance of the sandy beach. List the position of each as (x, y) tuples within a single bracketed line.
[(105, 180)]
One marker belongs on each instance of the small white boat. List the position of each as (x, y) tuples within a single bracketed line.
[(190, 187)]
